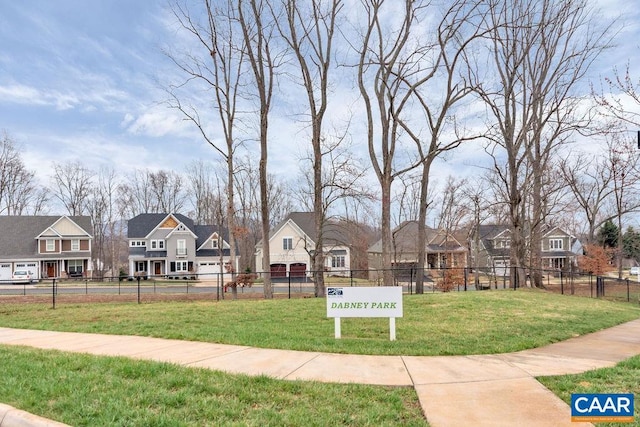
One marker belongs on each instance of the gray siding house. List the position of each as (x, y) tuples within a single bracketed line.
[(171, 245)]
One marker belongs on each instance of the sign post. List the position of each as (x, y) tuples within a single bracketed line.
[(381, 301)]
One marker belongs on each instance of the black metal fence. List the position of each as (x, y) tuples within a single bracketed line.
[(301, 284)]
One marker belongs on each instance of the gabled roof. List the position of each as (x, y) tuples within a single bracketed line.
[(334, 233), (140, 226), (205, 233), (18, 234), (405, 239)]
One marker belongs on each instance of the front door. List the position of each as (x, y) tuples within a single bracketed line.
[(51, 269), (157, 269)]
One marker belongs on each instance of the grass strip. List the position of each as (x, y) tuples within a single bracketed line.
[(458, 323), (83, 390), (622, 378)]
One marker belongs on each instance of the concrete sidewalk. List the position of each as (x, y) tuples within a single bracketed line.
[(483, 390)]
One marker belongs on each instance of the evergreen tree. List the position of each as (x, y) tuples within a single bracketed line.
[(608, 235), (631, 244)]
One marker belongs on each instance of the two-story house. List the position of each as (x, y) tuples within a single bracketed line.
[(171, 245), (47, 246), (293, 241), (558, 251)]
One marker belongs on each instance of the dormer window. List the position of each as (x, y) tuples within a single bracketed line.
[(75, 245), (555, 243), (51, 245)]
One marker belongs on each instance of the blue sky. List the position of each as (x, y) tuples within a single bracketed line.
[(79, 80)]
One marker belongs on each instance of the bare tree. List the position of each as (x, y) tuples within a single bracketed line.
[(540, 52), (19, 191), (135, 196), (621, 85), (309, 32), (385, 57), (622, 159), (454, 209), (258, 26), (220, 68), (407, 198), (166, 189), (589, 181), (201, 178), (73, 183), (102, 208)]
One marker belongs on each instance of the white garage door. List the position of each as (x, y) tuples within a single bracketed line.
[(208, 270), (501, 267), (32, 267), (5, 272)]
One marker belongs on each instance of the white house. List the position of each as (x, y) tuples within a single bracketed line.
[(293, 241)]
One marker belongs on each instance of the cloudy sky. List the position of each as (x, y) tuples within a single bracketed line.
[(82, 79)]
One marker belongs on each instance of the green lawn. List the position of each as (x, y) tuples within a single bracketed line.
[(433, 324), (85, 390), (82, 390), (622, 378)]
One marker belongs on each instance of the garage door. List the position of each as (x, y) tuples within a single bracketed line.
[(208, 270), (501, 267), (5, 272), (297, 269), (278, 270), (32, 267)]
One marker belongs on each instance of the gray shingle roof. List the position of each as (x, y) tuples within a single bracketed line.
[(18, 233), (141, 225)]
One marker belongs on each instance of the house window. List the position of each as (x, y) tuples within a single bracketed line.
[(503, 243), (157, 244), (555, 243), (181, 247), (181, 266), (75, 245), (51, 245), (75, 266), (338, 261), (287, 243), (214, 243), (137, 243)]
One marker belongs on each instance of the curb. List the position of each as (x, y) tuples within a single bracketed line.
[(12, 417)]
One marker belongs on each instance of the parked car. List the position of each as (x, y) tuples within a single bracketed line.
[(634, 271), (22, 276)]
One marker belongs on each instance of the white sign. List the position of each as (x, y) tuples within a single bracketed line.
[(381, 301)]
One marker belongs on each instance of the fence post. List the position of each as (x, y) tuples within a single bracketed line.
[(53, 292), (628, 294)]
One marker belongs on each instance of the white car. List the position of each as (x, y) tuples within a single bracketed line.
[(22, 276), (634, 271)]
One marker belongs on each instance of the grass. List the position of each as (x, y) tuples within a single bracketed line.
[(434, 324), (87, 390), (622, 378), (82, 390)]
